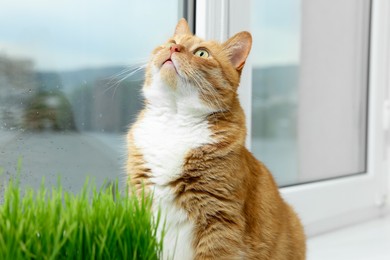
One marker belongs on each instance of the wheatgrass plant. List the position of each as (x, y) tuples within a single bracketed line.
[(53, 224)]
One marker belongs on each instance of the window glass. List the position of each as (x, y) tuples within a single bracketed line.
[(66, 94), (309, 102)]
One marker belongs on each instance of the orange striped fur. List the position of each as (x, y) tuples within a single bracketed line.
[(223, 203)]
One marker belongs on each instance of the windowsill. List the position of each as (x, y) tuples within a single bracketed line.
[(368, 240)]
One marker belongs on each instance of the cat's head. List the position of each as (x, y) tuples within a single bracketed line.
[(196, 75)]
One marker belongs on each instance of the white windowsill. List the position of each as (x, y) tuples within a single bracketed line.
[(368, 240)]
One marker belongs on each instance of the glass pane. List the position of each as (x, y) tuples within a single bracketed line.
[(310, 88), (66, 97)]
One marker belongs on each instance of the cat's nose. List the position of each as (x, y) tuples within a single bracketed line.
[(175, 48)]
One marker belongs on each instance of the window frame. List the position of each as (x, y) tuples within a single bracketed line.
[(327, 204)]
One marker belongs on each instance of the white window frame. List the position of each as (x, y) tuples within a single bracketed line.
[(329, 204)]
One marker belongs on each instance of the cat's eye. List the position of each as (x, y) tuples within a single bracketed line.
[(202, 53)]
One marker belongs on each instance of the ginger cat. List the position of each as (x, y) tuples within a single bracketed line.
[(188, 148)]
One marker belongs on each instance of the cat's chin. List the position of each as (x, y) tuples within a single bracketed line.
[(169, 74)]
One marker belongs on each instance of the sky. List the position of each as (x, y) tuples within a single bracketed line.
[(74, 34)]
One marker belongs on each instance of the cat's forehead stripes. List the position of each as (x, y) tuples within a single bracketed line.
[(191, 42), (187, 40)]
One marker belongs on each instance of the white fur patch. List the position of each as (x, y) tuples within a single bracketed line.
[(172, 126)]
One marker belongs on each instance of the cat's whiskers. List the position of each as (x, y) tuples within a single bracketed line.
[(123, 75), (207, 87), (128, 69), (199, 84), (120, 73), (204, 86)]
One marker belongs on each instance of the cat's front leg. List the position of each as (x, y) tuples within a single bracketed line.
[(220, 240), (222, 252)]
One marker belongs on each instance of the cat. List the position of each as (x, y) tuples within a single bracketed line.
[(187, 147)]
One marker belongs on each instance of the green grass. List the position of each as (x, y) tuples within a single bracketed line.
[(53, 224)]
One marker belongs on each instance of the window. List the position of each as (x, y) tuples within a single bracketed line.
[(276, 56), (309, 88), (65, 96)]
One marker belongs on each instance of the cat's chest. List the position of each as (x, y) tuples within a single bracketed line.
[(165, 139)]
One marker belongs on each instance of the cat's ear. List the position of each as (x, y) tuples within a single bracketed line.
[(182, 27), (238, 48)]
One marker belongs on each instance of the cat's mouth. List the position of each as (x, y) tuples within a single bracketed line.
[(168, 61)]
